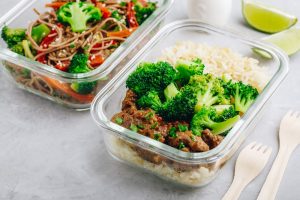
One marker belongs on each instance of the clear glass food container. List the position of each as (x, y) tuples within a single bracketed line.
[(184, 168), (17, 66)]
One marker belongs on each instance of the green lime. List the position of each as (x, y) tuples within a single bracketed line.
[(288, 41), (265, 18)]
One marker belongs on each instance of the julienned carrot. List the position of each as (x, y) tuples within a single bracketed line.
[(67, 90), (123, 33), (55, 5)]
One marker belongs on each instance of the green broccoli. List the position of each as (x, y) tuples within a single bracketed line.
[(207, 118), (244, 96), (79, 65), (181, 107), (150, 100), (171, 91), (18, 48), (77, 14), (151, 77), (84, 87), (209, 90), (186, 69), (13, 36), (143, 12), (221, 108), (224, 112)]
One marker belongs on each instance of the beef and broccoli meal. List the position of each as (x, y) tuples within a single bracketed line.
[(188, 100), (74, 37), (181, 106)]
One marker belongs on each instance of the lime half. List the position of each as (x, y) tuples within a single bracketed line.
[(265, 18)]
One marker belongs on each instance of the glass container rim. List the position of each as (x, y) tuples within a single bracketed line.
[(112, 61), (166, 150)]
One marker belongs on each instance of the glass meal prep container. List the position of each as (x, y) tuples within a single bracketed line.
[(184, 168), (16, 65)]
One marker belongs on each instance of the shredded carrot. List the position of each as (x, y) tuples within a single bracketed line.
[(123, 33), (55, 5), (67, 90)]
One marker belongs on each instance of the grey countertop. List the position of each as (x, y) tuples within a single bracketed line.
[(51, 153)]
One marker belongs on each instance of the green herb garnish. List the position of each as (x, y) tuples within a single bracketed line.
[(193, 138), (149, 115), (134, 128), (153, 126), (181, 145), (157, 136), (172, 132), (140, 126), (119, 120), (182, 128)]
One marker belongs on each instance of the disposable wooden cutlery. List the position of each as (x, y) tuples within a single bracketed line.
[(249, 164), (289, 138)]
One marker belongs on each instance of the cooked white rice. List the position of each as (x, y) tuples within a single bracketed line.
[(220, 62), (195, 177)]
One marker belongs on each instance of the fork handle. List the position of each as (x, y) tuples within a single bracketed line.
[(235, 189), (271, 185)]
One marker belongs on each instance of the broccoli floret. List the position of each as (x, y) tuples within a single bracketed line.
[(150, 100), (170, 91), (186, 69), (143, 12), (181, 107), (13, 36), (115, 14), (209, 90), (206, 118), (18, 48), (244, 96), (221, 108), (84, 87), (151, 77), (79, 65), (224, 112), (77, 14)]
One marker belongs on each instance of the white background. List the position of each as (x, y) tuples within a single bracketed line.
[(49, 152)]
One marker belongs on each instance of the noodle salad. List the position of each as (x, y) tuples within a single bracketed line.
[(74, 37)]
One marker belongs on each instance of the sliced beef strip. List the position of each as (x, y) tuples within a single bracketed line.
[(210, 139), (191, 142)]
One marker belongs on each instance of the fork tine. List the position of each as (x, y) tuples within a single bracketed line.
[(251, 145), (268, 151), (264, 148), (288, 115), (258, 146)]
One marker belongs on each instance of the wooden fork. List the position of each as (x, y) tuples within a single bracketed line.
[(249, 164), (289, 138)]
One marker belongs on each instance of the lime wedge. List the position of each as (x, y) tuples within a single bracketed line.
[(265, 18), (288, 41)]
